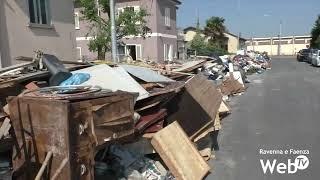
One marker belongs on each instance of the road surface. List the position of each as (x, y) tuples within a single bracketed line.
[(279, 111)]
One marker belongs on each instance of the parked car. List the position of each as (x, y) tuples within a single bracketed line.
[(316, 58), (310, 54), (303, 54)]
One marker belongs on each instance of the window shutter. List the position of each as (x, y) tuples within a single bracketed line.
[(170, 53), (167, 17), (76, 20), (138, 52)]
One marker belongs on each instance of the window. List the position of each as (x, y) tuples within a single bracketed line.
[(39, 11), (77, 20), (167, 17), (129, 8), (168, 54)]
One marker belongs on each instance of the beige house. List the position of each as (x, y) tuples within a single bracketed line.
[(289, 45), (30, 25), (232, 42)]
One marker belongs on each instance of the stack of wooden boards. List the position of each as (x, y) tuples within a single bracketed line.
[(199, 108)]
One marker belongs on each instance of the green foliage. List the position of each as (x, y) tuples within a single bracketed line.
[(198, 44), (204, 48), (129, 22), (315, 34), (215, 30)]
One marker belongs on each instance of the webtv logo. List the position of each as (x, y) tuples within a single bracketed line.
[(300, 163)]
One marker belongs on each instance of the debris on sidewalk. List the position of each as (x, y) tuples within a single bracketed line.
[(102, 120)]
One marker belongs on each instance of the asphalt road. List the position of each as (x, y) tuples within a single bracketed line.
[(279, 111)]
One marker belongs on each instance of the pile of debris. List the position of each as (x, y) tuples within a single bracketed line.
[(68, 120)]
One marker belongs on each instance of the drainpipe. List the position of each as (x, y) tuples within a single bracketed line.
[(113, 31)]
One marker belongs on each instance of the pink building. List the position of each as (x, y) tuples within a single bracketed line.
[(159, 45)]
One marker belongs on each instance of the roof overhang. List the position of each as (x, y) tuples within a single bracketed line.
[(177, 2)]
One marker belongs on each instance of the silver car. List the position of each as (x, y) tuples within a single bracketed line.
[(316, 57)]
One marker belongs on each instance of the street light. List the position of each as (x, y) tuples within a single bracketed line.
[(280, 33)]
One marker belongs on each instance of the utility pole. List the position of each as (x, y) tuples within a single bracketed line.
[(239, 35), (198, 19), (98, 7), (113, 31), (280, 34)]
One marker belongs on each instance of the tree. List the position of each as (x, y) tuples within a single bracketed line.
[(315, 34), (203, 48), (215, 30), (128, 22), (198, 44)]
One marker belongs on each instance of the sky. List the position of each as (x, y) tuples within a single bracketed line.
[(253, 18)]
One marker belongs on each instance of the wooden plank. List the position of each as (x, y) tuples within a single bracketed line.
[(213, 126), (179, 154), (197, 106), (5, 127), (224, 107)]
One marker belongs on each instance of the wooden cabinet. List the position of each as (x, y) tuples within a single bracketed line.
[(71, 129)]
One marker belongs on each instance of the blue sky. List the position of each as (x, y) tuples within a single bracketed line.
[(253, 17)]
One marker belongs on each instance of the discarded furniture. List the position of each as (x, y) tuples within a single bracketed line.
[(196, 106), (70, 128), (179, 154)]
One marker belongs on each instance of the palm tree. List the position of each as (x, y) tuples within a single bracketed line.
[(315, 33), (215, 29)]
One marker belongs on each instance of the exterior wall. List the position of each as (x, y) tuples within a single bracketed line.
[(19, 38), (232, 43), (150, 6), (290, 47), (161, 28), (161, 42), (149, 47), (189, 35), (82, 38)]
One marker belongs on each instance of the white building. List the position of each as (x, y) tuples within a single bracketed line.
[(289, 45)]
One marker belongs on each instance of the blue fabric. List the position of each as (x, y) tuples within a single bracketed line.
[(76, 79)]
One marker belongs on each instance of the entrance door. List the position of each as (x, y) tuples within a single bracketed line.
[(131, 51), (134, 51)]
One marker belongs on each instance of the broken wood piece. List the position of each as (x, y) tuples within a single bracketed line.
[(196, 107), (6, 109), (217, 123), (231, 86), (224, 108), (203, 133), (5, 127), (44, 165), (59, 169), (213, 126), (179, 154)]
